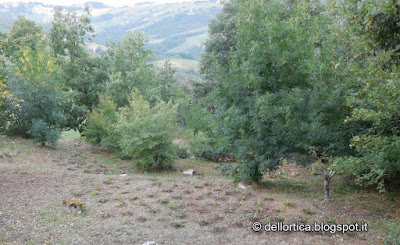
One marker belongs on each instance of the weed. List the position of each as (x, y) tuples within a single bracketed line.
[(106, 215), (331, 220), (137, 202), (259, 202), (230, 209), (138, 188), (266, 196), (245, 195), (287, 203), (171, 203), (308, 210), (77, 192), (154, 193), (107, 180), (155, 209), (178, 223), (164, 199), (221, 228), (126, 213), (214, 204), (223, 197), (255, 215), (94, 193), (101, 199), (117, 205), (197, 185), (112, 186), (217, 188), (280, 218), (206, 193)]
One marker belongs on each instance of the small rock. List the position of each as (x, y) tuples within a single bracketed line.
[(294, 174), (190, 172), (123, 175), (150, 243), (243, 186), (78, 143)]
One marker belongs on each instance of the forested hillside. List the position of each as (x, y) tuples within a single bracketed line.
[(175, 29)]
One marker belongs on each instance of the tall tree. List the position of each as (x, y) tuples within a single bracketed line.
[(129, 69), (23, 33), (70, 31)]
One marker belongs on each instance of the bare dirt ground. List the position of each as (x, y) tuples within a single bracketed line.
[(126, 206)]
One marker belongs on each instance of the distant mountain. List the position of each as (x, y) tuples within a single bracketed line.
[(175, 29)]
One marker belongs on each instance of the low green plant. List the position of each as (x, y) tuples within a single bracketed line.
[(94, 193), (244, 196), (164, 199), (178, 223), (255, 215), (101, 199), (280, 217), (259, 202), (145, 133)]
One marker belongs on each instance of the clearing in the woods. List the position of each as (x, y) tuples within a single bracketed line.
[(127, 206)]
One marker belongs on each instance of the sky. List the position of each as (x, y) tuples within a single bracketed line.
[(107, 2)]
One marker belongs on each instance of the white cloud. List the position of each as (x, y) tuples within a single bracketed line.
[(107, 2)]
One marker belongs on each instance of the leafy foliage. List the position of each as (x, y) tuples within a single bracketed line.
[(35, 84), (146, 133), (98, 129)]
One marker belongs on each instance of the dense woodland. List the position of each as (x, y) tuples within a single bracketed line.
[(300, 80)]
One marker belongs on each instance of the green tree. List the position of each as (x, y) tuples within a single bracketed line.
[(279, 92), (34, 82), (372, 80), (129, 69), (23, 33), (70, 31)]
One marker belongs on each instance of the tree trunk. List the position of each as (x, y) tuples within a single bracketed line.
[(328, 176)]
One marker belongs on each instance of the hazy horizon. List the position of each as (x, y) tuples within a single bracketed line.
[(106, 2)]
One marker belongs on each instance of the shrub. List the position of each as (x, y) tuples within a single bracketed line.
[(99, 130), (203, 146), (42, 132), (181, 152), (145, 133)]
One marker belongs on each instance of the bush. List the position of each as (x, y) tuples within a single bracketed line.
[(204, 147), (42, 132), (145, 133), (99, 129), (181, 152)]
